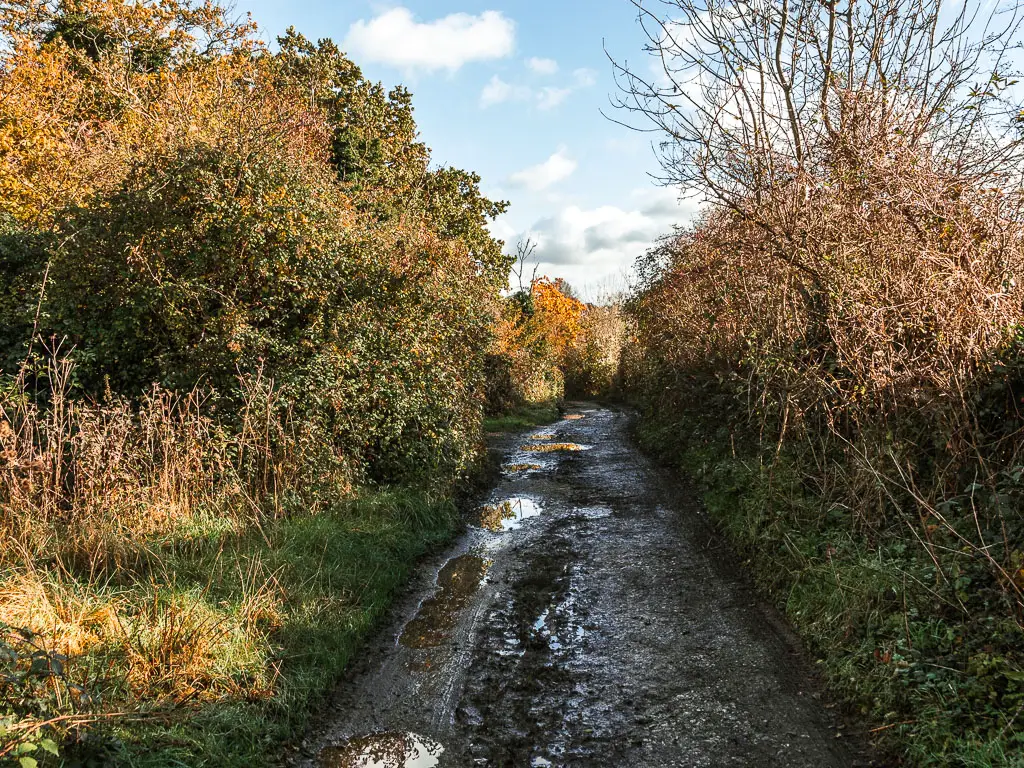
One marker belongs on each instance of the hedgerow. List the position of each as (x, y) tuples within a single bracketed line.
[(235, 297), (833, 346)]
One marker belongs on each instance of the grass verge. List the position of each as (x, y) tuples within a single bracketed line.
[(220, 644), (523, 417)]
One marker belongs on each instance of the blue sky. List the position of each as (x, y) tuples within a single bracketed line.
[(513, 89)]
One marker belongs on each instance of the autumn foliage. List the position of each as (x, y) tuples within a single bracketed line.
[(232, 290), (549, 344), (185, 207), (835, 344)]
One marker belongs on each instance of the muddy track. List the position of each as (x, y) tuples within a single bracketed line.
[(591, 618)]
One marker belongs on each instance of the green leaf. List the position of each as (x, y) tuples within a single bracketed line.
[(50, 746), (28, 762)]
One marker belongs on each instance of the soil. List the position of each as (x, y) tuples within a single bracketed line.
[(590, 617)]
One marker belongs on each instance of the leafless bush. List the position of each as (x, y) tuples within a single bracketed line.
[(751, 96), (859, 260)]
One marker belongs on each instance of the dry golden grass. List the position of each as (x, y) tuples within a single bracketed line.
[(98, 484), (74, 620), (93, 493), (161, 646)]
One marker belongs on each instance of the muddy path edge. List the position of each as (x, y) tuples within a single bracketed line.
[(418, 587), (728, 564)]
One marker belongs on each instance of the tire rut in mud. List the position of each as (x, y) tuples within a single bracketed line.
[(519, 680)]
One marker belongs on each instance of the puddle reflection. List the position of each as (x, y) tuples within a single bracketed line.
[(508, 514), (525, 467), (552, 447), (458, 582), (383, 750)]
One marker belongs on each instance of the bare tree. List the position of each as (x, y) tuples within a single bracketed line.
[(525, 256), (749, 96)]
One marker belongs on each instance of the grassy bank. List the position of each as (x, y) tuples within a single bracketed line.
[(924, 650), (218, 645), (523, 417), (180, 590)]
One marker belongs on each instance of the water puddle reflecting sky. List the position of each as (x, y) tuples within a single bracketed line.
[(509, 514), (458, 581), (383, 750)]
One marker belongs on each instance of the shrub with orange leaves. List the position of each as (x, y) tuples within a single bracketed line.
[(256, 239), (207, 207), (549, 343)]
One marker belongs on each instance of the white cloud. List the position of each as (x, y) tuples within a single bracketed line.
[(502, 230), (542, 66), (549, 97), (584, 78), (553, 170), (395, 37), (608, 238), (497, 91)]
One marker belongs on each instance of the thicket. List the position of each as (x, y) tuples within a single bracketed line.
[(233, 290), (549, 344), (834, 347)]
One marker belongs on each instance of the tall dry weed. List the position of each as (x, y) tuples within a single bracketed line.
[(96, 483)]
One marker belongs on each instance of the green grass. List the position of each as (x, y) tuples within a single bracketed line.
[(523, 417), (295, 600)]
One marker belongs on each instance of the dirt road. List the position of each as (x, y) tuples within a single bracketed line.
[(590, 619)]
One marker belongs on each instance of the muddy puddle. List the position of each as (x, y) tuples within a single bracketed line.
[(507, 515), (383, 750), (524, 467), (457, 582)]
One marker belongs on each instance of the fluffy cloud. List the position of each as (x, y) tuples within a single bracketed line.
[(593, 241), (497, 91), (549, 98), (553, 170), (542, 66), (396, 38), (584, 78)]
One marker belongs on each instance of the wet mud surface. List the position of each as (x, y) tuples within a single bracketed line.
[(589, 617)]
